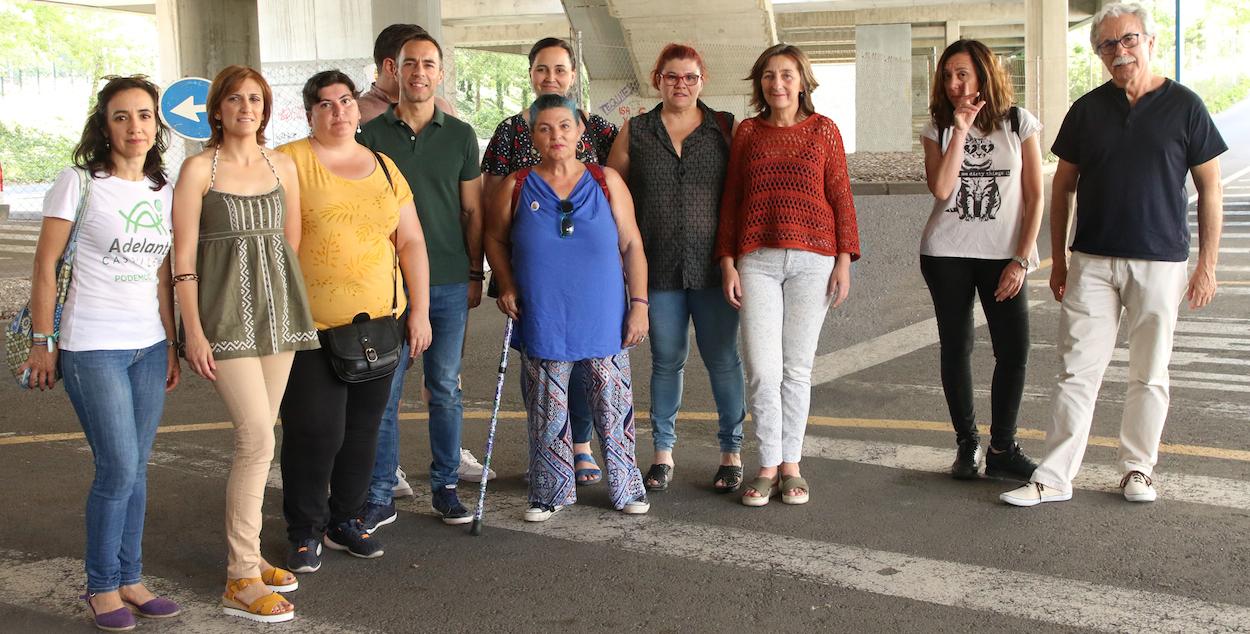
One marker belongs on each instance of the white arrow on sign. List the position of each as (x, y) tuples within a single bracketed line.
[(188, 109)]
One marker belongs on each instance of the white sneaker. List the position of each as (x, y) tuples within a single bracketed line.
[(1138, 487), (637, 507), (1034, 493), (470, 469), (402, 488), (540, 513)]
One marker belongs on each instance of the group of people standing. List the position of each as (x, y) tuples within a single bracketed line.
[(597, 239)]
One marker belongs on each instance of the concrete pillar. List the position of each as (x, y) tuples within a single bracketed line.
[(952, 31), (200, 37), (882, 88), (1046, 64)]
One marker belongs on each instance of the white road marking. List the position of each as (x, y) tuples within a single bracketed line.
[(1233, 290), (51, 586), (1223, 492), (1119, 374), (864, 355), (1226, 250), (1013, 593)]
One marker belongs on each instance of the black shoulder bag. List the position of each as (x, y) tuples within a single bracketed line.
[(367, 349)]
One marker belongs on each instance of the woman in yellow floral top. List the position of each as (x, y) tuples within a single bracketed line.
[(357, 215)]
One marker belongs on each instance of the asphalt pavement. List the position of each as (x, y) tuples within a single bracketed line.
[(889, 542)]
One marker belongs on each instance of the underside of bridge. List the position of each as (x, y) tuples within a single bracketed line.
[(892, 43)]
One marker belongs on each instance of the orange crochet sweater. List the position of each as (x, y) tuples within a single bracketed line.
[(787, 188)]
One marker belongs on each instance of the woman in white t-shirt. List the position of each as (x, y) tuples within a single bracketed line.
[(115, 328), (983, 164)]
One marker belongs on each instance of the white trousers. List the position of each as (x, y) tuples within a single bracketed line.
[(784, 301), (1099, 289)]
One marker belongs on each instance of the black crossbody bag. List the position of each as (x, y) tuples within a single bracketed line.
[(367, 349)]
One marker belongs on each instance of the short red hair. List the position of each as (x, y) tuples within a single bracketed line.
[(671, 52)]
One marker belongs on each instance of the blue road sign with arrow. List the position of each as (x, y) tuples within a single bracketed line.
[(183, 106)]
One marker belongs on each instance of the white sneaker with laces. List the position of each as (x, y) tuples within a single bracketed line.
[(402, 489), (1138, 487), (541, 513), (1034, 493), (470, 469)]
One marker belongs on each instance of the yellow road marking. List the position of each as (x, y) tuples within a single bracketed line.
[(820, 421)]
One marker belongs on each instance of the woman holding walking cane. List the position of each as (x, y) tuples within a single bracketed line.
[(563, 243)]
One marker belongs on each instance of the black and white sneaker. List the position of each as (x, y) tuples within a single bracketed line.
[(305, 556), (378, 515), (351, 536), (446, 503)]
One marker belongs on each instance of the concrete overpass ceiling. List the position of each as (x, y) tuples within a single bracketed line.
[(129, 6)]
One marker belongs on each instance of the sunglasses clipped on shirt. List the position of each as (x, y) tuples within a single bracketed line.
[(566, 218)]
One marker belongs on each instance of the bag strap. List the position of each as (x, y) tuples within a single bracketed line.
[(394, 239), (521, 175), (596, 171), (66, 266)]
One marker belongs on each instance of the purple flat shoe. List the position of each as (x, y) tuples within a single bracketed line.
[(158, 608), (119, 620)]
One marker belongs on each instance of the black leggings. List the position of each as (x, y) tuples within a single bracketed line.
[(952, 283), (329, 436)]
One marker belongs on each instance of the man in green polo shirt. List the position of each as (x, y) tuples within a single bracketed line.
[(437, 154)]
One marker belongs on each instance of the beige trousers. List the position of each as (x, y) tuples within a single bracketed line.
[(252, 389), (1099, 289)]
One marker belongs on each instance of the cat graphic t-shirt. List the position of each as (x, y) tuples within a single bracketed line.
[(124, 238), (982, 217)]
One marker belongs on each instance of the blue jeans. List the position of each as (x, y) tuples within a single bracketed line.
[(716, 333), (449, 313), (119, 396)]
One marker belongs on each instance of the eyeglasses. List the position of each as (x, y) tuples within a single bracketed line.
[(671, 79), (1128, 40), (566, 218)]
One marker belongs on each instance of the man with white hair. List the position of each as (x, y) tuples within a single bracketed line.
[(1124, 149)]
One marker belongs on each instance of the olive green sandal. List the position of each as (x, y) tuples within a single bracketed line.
[(789, 483), (765, 487)]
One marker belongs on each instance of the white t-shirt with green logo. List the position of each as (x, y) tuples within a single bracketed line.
[(124, 238)]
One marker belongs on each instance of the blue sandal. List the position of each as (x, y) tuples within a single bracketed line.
[(589, 475)]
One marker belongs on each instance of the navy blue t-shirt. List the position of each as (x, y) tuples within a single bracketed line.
[(1130, 195)]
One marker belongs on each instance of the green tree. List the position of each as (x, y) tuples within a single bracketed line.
[(490, 87)]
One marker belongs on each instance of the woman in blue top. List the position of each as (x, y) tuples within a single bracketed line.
[(563, 245)]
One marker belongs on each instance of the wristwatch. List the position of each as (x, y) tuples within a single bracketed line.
[(1023, 262)]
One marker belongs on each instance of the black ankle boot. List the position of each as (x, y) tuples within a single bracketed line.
[(967, 465)]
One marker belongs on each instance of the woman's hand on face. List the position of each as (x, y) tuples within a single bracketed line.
[(507, 303), (420, 334), (199, 354), (840, 281), (637, 322), (1010, 282), (173, 371), (42, 366), (966, 110)]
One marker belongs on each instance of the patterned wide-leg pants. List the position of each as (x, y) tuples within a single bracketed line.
[(609, 387)]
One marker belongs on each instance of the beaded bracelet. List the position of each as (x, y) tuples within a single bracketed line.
[(186, 276)]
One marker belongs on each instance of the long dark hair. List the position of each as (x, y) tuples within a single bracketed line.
[(995, 87), (93, 153)]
